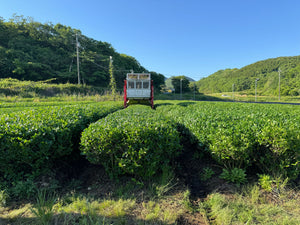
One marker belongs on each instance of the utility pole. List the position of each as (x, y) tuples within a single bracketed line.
[(77, 52), (232, 92), (110, 61), (112, 82), (194, 91), (279, 82), (174, 94), (256, 88), (181, 89)]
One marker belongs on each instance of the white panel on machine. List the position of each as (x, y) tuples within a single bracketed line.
[(138, 86)]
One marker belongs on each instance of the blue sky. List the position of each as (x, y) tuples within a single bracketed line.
[(178, 37)]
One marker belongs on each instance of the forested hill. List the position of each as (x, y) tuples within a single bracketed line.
[(34, 51), (267, 72)]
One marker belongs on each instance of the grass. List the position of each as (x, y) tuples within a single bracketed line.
[(76, 97), (227, 96), (108, 208), (3, 197), (156, 213), (103, 201), (186, 96), (43, 209), (250, 97), (121, 211), (251, 204), (13, 90), (85, 209), (163, 184), (14, 87), (253, 207)]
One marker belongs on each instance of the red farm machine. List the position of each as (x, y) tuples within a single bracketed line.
[(138, 88)]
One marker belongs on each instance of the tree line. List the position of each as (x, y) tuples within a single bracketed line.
[(267, 71), (30, 50)]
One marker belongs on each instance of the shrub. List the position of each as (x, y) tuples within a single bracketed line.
[(266, 182), (136, 141), (235, 175), (206, 174), (279, 148), (242, 135), (32, 140), (24, 189)]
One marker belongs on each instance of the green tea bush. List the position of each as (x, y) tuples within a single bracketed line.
[(23, 189), (238, 135), (136, 141), (225, 135), (278, 152), (32, 140)]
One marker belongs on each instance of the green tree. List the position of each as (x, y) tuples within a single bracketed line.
[(158, 80), (267, 72), (180, 83)]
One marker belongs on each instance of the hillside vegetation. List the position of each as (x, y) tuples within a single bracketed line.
[(29, 89), (267, 73), (34, 51)]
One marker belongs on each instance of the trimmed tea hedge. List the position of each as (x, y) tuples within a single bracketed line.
[(243, 135), (136, 141), (31, 140)]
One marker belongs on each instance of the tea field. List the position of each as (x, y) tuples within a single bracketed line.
[(186, 162)]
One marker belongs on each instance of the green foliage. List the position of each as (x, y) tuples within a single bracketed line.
[(136, 141), (30, 89), (251, 208), (267, 72), (3, 198), (186, 201), (112, 82), (279, 147), (165, 182), (33, 140), (206, 174), (243, 135), (23, 189), (211, 84), (158, 80), (180, 83), (106, 208), (265, 181), (43, 209), (235, 175), (269, 183)]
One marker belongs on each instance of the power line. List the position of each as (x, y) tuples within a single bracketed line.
[(77, 54), (99, 65), (107, 67), (279, 71)]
